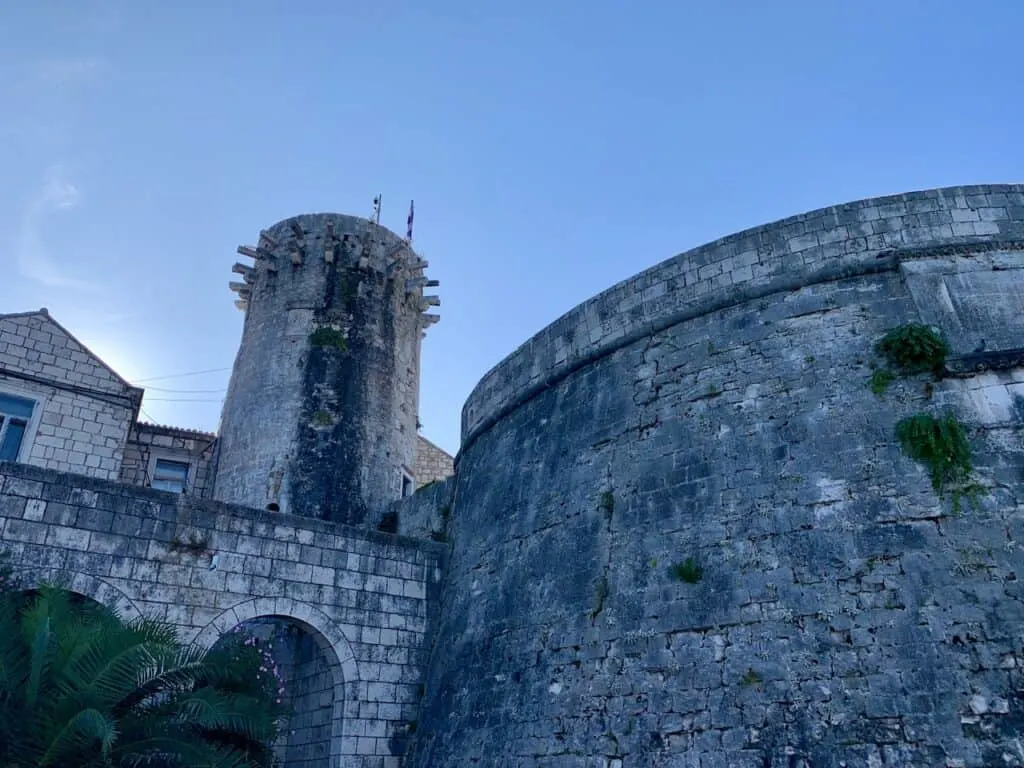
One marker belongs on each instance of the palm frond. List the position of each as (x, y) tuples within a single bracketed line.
[(87, 732)]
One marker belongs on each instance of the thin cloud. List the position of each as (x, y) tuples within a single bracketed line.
[(62, 71), (56, 194)]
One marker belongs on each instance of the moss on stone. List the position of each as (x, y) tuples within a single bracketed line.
[(328, 337), (322, 419)]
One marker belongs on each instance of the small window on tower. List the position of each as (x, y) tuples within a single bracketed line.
[(170, 476), (406, 485)]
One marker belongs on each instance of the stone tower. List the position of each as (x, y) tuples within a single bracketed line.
[(321, 412)]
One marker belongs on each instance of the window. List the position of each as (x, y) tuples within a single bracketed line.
[(406, 485), (15, 415), (170, 476)]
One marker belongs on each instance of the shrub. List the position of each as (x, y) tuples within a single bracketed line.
[(687, 571), (82, 688), (940, 444), (880, 381), (914, 348)]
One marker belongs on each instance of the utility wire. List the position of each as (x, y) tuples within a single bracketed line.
[(181, 400), (182, 375), (188, 391)]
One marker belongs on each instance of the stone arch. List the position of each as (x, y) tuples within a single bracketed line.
[(302, 613), (325, 635), (101, 591)]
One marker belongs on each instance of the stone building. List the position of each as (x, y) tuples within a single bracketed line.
[(63, 408), (685, 526), (316, 435)]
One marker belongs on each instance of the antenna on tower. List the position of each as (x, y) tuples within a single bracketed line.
[(370, 238), (376, 210)]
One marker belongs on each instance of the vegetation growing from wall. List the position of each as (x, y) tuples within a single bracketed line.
[(441, 535), (328, 337), (750, 677), (941, 445), (80, 688), (914, 348), (322, 418), (600, 595), (880, 380), (687, 571)]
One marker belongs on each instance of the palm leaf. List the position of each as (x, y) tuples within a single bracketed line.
[(81, 735)]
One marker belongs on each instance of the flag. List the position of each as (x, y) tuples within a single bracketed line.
[(408, 233)]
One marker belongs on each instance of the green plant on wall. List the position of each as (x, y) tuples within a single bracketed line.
[(750, 677), (880, 381), (941, 445), (687, 571), (914, 348), (328, 337), (323, 419), (600, 596)]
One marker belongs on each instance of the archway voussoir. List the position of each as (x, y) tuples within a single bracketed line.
[(227, 621), (263, 606), (83, 584), (126, 610), (285, 606)]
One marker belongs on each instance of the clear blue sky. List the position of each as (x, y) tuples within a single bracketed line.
[(553, 148)]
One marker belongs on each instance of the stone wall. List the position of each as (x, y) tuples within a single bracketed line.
[(425, 514), (148, 442), (208, 567), (432, 464), (820, 245), (684, 534), (83, 409)]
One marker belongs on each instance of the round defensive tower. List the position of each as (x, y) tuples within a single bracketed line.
[(320, 417), (686, 531)]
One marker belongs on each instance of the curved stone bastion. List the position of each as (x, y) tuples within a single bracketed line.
[(684, 533)]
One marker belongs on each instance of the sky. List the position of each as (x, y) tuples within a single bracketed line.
[(552, 148)]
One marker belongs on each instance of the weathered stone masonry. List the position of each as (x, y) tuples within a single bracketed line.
[(362, 596), (320, 424), (84, 409), (713, 411), (322, 409), (148, 443), (716, 407)]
